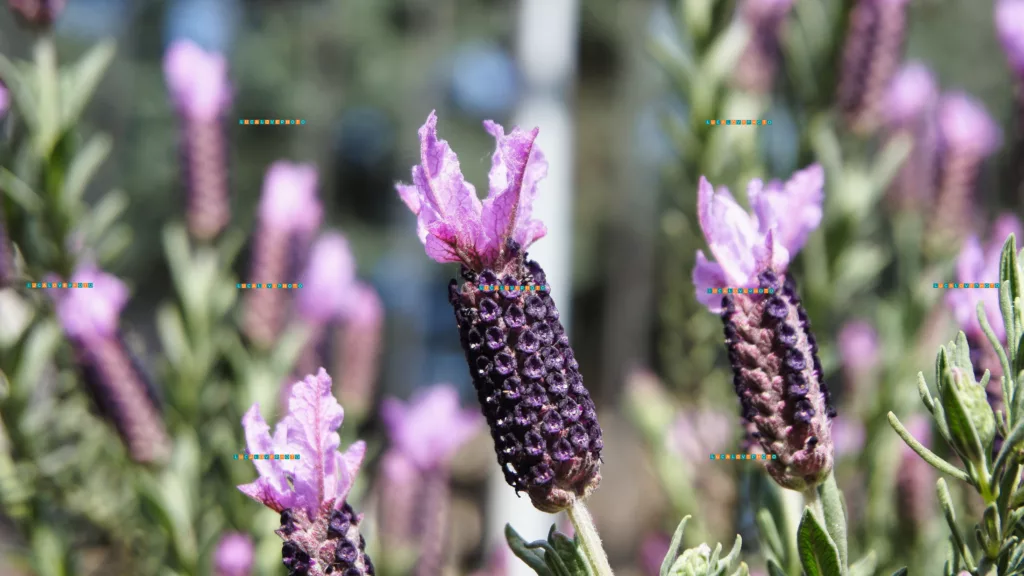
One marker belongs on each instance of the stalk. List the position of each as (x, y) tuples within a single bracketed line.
[(590, 541)]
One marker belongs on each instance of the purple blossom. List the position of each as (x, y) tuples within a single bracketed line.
[(5, 100), (198, 81), (978, 263), (910, 106), (756, 69), (359, 341), (746, 244), (848, 436), (1009, 16), (234, 555), (289, 200), (320, 529), (858, 346), (431, 427), (912, 93), (328, 281), (653, 550), (966, 126), (453, 224), (90, 313)]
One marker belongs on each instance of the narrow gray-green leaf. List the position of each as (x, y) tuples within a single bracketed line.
[(104, 214), (532, 558), (1011, 444), (819, 555), (675, 548), (769, 533), (80, 81), (48, 552), (1009, 289), (965, 436), (946, 502), (83, 168), (930, 457), (19, 192), (835, 515), (20, 87), (774, 569), (866, 566), (48, 82), (900, 572)]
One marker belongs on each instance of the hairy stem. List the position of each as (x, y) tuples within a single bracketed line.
[(589, 539)]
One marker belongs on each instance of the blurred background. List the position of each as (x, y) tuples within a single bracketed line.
[(616, 90)]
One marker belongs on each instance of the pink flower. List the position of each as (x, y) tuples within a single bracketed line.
[(431, 427), (359, 343), (322, 476), (88, 313), (328, 281), (5, 100), (978, 263), (966, 126), (847, 435), (289, 201), (746, 244), (1009, 16), (858, 346), (198, 80), (234, 555), (453, 224), (911, 93)]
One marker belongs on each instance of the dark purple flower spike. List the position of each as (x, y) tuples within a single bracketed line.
[(541, 417)]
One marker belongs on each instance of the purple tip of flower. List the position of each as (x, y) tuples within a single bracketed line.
[(289, 201), (234, 555), (746, 244), (858, 345), (431, 427), (90, 312), (966, 125), (322, 475), (847, 436), (453, 224), (978, 263), (5, 100), (198, 80), (1009, 16), (329, 280), (911, 94)]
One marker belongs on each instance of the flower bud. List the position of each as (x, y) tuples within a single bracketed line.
[(541, 417), (693, 562), (778, 378)]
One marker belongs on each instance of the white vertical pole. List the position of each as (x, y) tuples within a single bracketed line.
[(546, 53)]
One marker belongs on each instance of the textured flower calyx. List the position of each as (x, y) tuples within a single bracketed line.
[(541, 417), (328, 544), (778, 378)]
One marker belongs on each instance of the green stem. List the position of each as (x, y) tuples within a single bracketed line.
[(590, 541)]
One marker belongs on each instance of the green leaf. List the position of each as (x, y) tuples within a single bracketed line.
[(818, 553), (569, 552), (48, 82), (774, 569), (114, 244), (39, 349), (769, 533), (532, 558), (79, 82), (835, 515), (19, 86), (20, 192), (675, 548), (961, 429), (946, 502), (1009, 289), (83, 168), (889, 160), (104, 214), (48, 552), (900, 572), (927, 455), (866, 566)]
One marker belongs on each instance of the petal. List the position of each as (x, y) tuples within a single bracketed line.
[(770, 255), (329, 280), (730, 232), (313, 419), (516, 167), (262, 492), (346, 467), (793, 210), (289, 201), (708, 275)]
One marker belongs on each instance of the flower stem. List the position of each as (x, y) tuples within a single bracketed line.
[(589, 539)]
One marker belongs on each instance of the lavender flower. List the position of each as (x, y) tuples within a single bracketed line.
[(289, 214), (776, 371), (359, 340), (968, 136), (1009, 16), (424, 435), (112, 375), (5, 100), (848, 436), (910, 109), (542, 419), (234, 555), (697, 433), (328, 280), (320, 529), (201, 92), (874, 47), (756, 69), (37, 13), (858, 350)]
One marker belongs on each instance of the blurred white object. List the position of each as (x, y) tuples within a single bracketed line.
[(546, 52)]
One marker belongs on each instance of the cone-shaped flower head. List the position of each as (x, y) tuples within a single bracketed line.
[(114, 378), (234, 555), (910, 104), (359, 341), (776, 371), (858, 346), (37, 13), (328, 280), (289, 215), (199, 86), (1009, 16), (980, 263), (431, 427), (756, 69), (320, 530), (542, 419), (912, 92), (871, 55)]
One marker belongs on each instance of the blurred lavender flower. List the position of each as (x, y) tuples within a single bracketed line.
[(359, 339), (234, 555), (112, 375), (910, 108), (871, 55), (968, 135), (698, 433), (38, 14), (497, 563), (915, 480), (424, 436), (320, 529), (848, 435), (542, 419), (1009, 16), (859, 354), (756, 69), (328, 281), (5, 100), (777, 373), (289, 214), (653, 550), (201, 91)]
